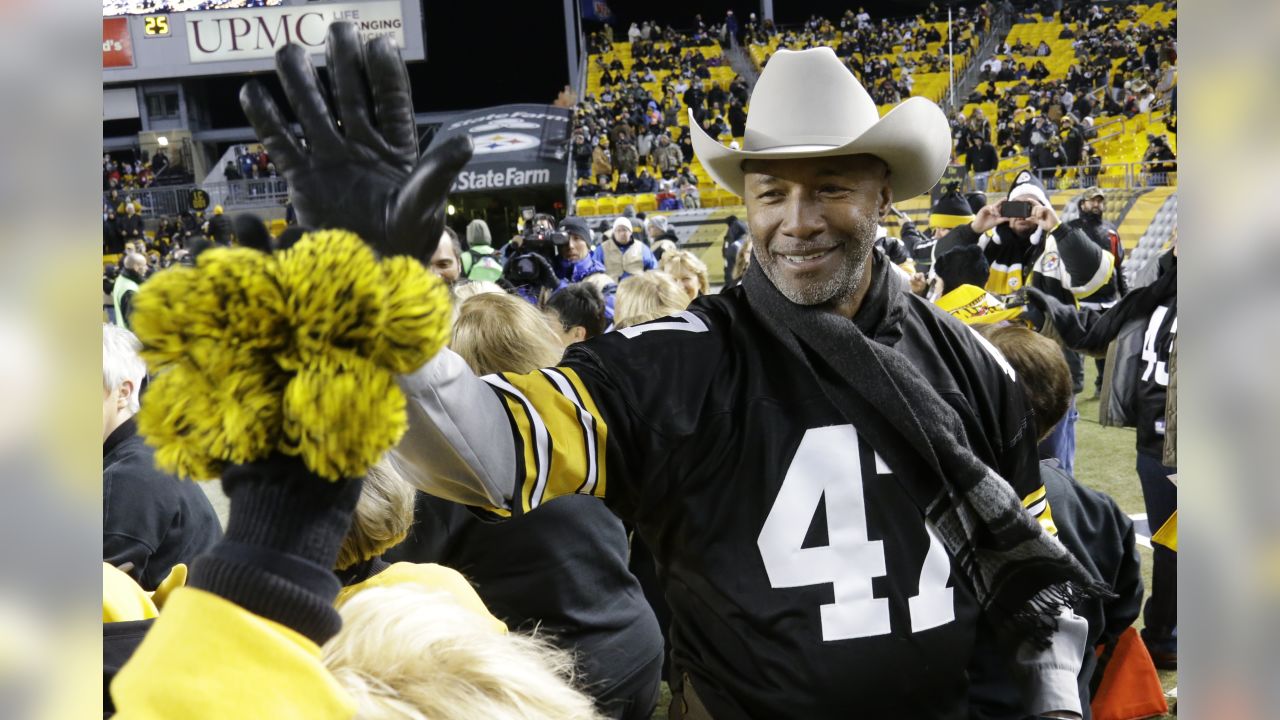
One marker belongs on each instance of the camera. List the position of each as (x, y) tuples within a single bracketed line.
[(533, 265), (542, 237), (1015, 209)]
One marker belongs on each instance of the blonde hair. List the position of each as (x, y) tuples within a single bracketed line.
[(680, 262), (466, 291), (742, 259), (384, 514), (646, 297), (502, 333), (409, 653)]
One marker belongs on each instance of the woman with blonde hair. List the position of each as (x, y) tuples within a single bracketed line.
[(689, 271), (407, 653), (562, 569), (646, 297), (495, 332)]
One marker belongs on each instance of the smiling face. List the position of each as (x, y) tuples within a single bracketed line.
[(814, 224)]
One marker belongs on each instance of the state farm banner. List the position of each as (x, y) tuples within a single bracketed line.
[(515, 146), (253, 34), (117, 47)]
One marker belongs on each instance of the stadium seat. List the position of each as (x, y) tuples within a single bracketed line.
[(648, 202)]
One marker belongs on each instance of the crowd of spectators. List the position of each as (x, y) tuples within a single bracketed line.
[(628, 139), (1114, 72), (132, 174)]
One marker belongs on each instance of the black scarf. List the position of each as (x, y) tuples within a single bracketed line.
[(1022, 577)]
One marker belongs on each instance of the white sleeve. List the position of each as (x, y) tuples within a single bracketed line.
[(1048, 677), (459, 445)]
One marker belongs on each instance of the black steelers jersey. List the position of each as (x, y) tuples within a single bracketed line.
[(802, 580), (1153, 376)]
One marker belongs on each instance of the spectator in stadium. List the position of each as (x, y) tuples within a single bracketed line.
[(981, 160), (112, 240), (602, 162), (1148, 404), (480, 260), (581, 154), (657, 227), (1160, 160), (130, 226), (133, 271), (220, 230), (689, 272), (735, 236), (625, 159), (151, 521), (667, 157), (446, 262), (575, 261), (405, 648), (646, 297), (644, 182), (622, 255), (577, 312), (1089, 523), (574, 553)]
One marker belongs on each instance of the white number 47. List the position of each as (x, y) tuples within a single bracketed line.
[(827, 463)]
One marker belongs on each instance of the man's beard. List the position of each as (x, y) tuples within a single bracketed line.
[(839, 286)]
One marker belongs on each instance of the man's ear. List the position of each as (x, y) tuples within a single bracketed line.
[(124, 393), (886, 198)]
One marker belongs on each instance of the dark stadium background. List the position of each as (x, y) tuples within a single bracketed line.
[(481, 54)]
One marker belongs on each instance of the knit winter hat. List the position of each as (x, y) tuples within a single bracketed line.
[(1027, 185), (962, 265), (950, 210)]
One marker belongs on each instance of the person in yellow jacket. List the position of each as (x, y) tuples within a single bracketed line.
[(415, 635)]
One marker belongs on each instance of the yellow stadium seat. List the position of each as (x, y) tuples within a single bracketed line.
[(606, 206), (586, 206), (648, 202)]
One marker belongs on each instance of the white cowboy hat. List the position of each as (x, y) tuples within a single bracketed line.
[(808, 104)]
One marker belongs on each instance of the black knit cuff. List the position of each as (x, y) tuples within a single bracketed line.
[(282, 588)]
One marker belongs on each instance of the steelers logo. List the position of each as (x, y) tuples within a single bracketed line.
[(500, 142)]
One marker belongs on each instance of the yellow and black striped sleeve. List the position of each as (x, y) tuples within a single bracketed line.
[(1037, 503), (560, 436)]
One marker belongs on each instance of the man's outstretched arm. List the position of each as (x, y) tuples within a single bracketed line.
[(460, 445)]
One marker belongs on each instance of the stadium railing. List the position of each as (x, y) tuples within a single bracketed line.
[(234, 194)]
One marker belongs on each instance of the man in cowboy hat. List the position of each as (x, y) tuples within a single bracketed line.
[(823, 465)]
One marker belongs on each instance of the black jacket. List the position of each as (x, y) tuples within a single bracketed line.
[(150, 518), (562, 569), (220, 229)]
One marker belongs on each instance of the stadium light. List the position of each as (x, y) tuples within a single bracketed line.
[(162, 141), (451, 209)]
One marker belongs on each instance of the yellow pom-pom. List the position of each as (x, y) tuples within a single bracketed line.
[(417, 318), (334, 296), (340, 418), (160, 313), (180, 419), (250, 403), (251, 308)]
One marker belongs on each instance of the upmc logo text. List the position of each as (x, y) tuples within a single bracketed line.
[(117, 48), (252, 34)]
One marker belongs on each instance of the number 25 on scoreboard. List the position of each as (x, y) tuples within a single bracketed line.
[(155, 26)]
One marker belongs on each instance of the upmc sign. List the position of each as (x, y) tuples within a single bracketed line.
[(117, 48), (223, 35)]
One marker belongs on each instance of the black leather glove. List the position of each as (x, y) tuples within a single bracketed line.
[(368, 177)]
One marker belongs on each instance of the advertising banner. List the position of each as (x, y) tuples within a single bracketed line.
[(256, 34), (117, 48), (515, 146)]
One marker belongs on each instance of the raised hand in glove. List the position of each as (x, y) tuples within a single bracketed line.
[(366, 177)]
